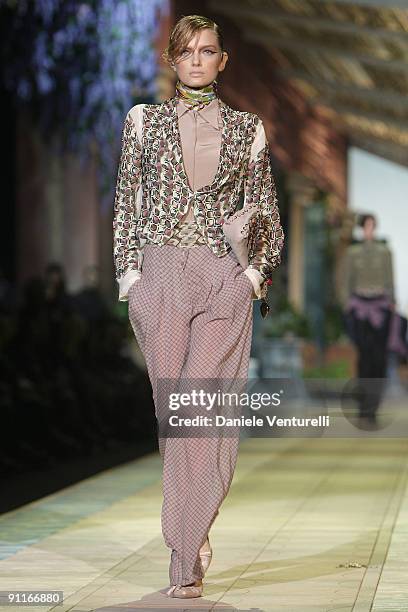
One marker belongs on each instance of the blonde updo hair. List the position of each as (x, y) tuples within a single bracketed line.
[(183, 32)]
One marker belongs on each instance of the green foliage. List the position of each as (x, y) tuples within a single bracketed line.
[(333, 324), (286, 320), (336, 369)]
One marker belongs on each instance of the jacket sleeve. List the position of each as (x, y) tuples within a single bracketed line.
[(267, 234), (389, 275), (127, 251)]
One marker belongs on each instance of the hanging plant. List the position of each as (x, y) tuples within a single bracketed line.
[(78, 67)]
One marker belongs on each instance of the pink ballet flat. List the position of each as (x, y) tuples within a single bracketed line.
[(185, 592), (206, 558)]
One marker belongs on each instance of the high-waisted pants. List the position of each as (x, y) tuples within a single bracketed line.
[(191, 313)]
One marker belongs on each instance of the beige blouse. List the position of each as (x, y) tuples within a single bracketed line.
[(200, 159), (200, 136)]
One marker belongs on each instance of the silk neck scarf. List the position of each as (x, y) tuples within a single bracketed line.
[(196, 98)]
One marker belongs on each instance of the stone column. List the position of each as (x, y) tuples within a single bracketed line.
[(302, 193)]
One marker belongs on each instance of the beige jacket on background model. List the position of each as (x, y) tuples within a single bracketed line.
[(367, 270), (160, 169)]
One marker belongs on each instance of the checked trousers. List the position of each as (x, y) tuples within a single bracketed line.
[(191, 313)]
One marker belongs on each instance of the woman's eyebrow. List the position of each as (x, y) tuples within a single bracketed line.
[(202, 47)]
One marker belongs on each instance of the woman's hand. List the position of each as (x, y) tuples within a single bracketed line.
[(256, 279)]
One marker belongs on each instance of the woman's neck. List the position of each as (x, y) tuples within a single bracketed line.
[(196, 97)]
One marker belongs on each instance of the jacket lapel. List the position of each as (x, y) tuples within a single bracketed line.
[(230, 142)]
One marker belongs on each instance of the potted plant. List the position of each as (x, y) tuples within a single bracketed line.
[(284, 332)]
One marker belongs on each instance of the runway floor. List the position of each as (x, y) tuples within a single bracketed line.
[(309, 525)]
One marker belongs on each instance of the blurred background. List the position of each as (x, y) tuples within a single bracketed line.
[(329, 80)]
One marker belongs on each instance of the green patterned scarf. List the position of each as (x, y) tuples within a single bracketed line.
[(196, 98)]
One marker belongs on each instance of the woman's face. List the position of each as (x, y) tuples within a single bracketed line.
[(369, 229), (203, 56)]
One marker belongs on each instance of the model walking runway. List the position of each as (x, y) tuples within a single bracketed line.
[(185, 165)]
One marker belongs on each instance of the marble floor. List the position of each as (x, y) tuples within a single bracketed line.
[(309, 525)]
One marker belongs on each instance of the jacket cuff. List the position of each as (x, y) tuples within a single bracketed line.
[(126, 282), (256, 279)]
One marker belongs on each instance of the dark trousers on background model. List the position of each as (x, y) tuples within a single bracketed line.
[(368, 322)]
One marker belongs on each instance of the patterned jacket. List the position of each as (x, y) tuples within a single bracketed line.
[(153, 192)]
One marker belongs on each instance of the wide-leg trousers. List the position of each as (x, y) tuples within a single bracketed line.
[(191, 313)]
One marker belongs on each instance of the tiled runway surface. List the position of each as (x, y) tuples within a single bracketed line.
[(300, 513)]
